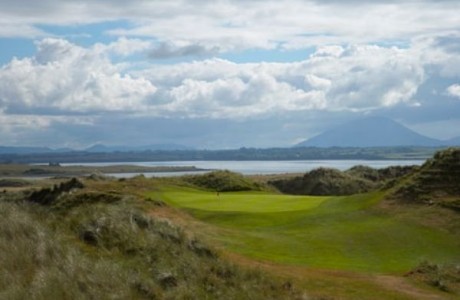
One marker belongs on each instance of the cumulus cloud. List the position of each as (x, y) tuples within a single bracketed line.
[(356, 78), (63, 81), (454, 90), (440, 52), (63, 77)]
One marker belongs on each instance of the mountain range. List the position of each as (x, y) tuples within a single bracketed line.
[(454, 141), (365, 132), (120, 148), (374, 132), (98, 148)]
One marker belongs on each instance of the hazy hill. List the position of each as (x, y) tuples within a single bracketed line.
[(454, 141), (370, 132), (167, 147)]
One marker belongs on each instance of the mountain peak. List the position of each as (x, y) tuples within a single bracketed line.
[(369, 132)]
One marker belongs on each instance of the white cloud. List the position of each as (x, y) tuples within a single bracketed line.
[(228, 25), (64, 77), (9, 30), (124, 46), (454, 90), (353, 69), (356, 78), (440, 51)]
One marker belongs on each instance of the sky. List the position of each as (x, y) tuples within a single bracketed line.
[(223, 74)]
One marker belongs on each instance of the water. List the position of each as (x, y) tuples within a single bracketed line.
[(256, 167)]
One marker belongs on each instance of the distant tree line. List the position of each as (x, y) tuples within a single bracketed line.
[(297, 153)]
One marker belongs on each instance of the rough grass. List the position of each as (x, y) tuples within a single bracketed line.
[(37, 263), (97, 249), (436, 182), (326, 181), (223, 181), (344, 233), (11, 182)]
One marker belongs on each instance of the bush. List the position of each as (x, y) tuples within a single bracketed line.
[(14, 183), (47, 196), (324, 181), (444, 277), (223, 181), (434, 183)]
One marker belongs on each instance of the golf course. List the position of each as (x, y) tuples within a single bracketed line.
[(362, 233), (328, 232)]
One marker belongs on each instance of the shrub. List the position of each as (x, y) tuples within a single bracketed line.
[(47, 196), (324, 181), (436, 181), (444, 277), (223, 181)]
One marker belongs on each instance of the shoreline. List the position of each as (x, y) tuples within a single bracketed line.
[(46, 171)]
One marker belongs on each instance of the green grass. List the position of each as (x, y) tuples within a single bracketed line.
[(249, 202), (345, 233)]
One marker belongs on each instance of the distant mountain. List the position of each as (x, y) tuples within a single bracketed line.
[(166, 147), (453, 141), (370, 132), (24, 150)]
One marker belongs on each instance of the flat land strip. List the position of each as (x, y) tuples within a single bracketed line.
[(26, 170)]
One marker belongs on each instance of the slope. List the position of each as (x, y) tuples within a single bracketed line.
[(345, 233), (453, 141), (437, 182), (325, 181), (369, 132), (95, 239)]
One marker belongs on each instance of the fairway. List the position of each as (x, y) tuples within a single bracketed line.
[(254, 202), (327, 232)]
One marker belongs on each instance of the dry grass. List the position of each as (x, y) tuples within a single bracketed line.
[(97, 249)]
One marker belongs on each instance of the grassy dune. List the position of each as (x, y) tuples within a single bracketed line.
[(100, 241), (345, 233)]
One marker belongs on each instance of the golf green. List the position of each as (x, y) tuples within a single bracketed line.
[(345, 233)]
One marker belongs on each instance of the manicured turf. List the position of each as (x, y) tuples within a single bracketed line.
[(328, 232), (251, 202)]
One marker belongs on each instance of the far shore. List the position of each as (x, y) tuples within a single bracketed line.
[(34, 171)]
